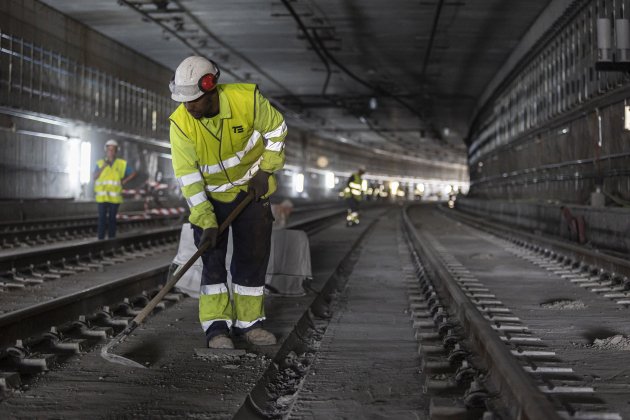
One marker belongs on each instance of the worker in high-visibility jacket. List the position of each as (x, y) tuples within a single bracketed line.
[(353, 194), (227, 139), (110, 174)]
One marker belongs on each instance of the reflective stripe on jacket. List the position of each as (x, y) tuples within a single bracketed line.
[(108, 186), (354, 187), (219, 155)]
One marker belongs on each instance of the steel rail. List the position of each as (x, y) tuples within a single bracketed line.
[(507, 375), (580, 253), (55, 254), (69, 222), (314, 224), (24, 225)]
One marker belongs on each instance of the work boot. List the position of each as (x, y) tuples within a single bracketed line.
[(260, 337), (220, 342)]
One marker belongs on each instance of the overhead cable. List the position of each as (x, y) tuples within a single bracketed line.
[(297, 19)]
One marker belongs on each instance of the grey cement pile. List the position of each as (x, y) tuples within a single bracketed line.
[(616, 342), (564, 304)]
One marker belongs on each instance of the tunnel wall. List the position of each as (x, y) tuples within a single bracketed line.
[(555, 128), (63, 85)]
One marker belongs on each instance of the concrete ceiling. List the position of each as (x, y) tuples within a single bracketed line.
[(425, 62)]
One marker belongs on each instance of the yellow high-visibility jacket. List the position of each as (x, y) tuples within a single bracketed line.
[(218, 156), (108, 186), (353, 188)]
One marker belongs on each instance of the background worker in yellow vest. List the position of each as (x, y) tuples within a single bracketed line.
[(354, 194), (110, 174), (227, 139)]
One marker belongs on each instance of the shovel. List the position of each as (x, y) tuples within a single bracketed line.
[(167, 287)]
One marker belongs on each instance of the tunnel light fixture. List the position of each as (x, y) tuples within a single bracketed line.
[(298, 182), (86, 161), (393, 186), (322, 161), (74, 162), (330, 180)]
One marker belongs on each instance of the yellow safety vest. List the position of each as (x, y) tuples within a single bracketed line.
[(108, 186), (218, 156), (354, 189)]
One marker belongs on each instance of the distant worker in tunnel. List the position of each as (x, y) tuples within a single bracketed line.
[(354, 194), (227, 139), (110, 174)]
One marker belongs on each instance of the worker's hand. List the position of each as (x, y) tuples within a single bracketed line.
[(209, 235), (259, 184)]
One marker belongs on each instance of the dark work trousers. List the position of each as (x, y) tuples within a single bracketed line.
[(107, 217), (353, 204), (251, 232)]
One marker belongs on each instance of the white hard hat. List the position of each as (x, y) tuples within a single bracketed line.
[(193, 77), (111, 142)]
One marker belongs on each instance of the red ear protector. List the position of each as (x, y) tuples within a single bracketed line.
[(209, 81)]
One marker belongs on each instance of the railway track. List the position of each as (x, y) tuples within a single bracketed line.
[(478, 337), (486, 348), (33, 267), (578, 258), (44, 232), (36, 338)]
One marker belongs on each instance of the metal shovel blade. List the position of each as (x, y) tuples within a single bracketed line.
[(114, 358)]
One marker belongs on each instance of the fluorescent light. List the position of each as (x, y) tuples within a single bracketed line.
[(74, 162), (393, 186), (86, 163), (330, 180), (298, 182)]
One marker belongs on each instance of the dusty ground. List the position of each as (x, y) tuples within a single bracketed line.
[(367, 365), (177, 382)]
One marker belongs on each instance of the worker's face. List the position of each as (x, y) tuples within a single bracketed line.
[(111, 152), (206, 106)]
